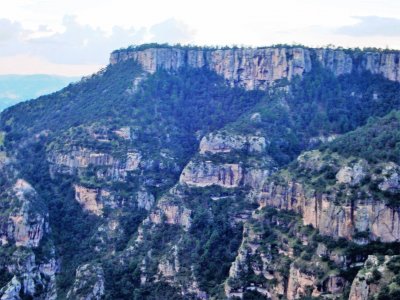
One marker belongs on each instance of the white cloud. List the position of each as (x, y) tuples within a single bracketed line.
[(82, 44), (9, 31), (39, 28), (172, 31), (77, 44), (372, 26)]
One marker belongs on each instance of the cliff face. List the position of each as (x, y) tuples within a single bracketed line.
[(89, 283), (250, 68), (171, 210), (206, 170), (259, 68), (78, 159), (225, 143), (298, 284), (270, 261), (30, 277), (87, 198), (179, 208), (136, 212), (343, 220), (348, 204), (24, 226), (206, 173), (376, 275)]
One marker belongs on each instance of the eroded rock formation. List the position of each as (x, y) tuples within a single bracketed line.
[(335, 220), (260, 67), (206, 173), (89, 199), (226, 142), (89, 283)]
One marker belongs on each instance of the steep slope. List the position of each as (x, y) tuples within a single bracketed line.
[(100, 169), (333, 207), (351, 189), (28, 263), (159, 177), (378, 279), (261, 67)]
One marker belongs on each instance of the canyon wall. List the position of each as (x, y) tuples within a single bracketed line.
[(336, 220), (258, 68)]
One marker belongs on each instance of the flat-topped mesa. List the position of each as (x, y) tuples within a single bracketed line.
[(248, 68), (258, 68)]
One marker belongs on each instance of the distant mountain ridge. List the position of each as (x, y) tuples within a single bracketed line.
[(17, 88)]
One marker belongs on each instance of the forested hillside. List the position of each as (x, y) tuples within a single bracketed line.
[(202, 173)]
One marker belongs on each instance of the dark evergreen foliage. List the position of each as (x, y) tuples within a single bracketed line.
[(170, 111)]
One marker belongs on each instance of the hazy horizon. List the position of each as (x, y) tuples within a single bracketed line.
[(15, 88)]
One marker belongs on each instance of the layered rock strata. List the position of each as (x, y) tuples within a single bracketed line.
[(258, 68)]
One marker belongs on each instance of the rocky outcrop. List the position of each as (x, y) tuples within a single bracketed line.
[(334, 285), (255, 268), (225, 142), (78, 159), (132, 161), (12, 290), (124, 133), (89, 283), (242, 266), (351, 175), (371, 279), (390, 178), (336, 220), (170, 213), (301, 284), (270, 266), (94, 200), (167, 269), (30, 278), (337, 61), (26, 224), (89, 199), (344, 62), (260, 67), (207, 173), (386, 64), (145, 200), (23, 226), (169, 266), (27, 231), (255, 177), (250, 68)]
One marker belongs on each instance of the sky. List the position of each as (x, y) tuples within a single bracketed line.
[(75, 37)]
